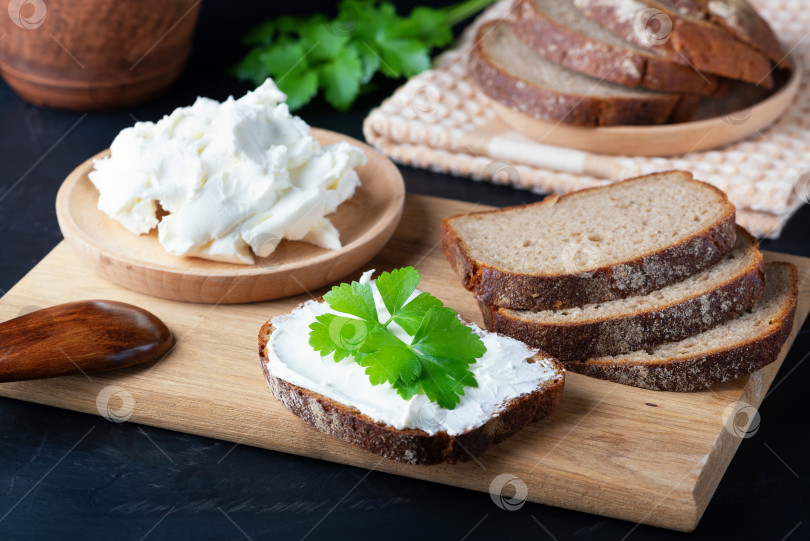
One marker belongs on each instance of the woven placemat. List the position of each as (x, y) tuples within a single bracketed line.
[(431, 122)]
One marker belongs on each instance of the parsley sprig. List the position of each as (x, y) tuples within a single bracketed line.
[(341, 56), (436, 360)]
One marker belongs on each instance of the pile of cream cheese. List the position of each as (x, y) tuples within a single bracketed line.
[(235, 178)]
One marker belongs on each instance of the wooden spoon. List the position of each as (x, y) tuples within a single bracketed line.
[(80, 337)]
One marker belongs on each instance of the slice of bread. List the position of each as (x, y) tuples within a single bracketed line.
[(672, 313), (428, 440), (681, 38), (740, 19), (512, 73), (592, 246), (562, 33), (726, 352)]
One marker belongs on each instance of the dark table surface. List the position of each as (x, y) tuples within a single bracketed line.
[(66, 475)]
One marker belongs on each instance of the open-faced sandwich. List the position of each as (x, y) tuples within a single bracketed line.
[(388, 368)]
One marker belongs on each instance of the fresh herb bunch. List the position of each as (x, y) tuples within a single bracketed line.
[(436, 361), (342, 55)]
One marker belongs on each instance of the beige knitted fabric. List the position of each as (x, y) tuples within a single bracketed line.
[(767, 176)]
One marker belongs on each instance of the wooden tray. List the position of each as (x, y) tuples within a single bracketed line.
[(719, 122), (366, 222), (645, 456)]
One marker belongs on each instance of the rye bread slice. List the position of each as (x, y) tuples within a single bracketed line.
[(681, 38), (696, 304), (413, 446), (594, 245), (726, 352), (562, 33), (739, 18), (512, 73)]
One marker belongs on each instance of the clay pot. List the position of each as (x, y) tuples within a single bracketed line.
[(94, 54)]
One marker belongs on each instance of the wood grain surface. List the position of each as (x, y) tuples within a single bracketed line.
[(644, 456), (366, 221)]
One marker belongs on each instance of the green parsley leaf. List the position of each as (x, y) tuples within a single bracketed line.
[(443, 335), (341, 78), (428, 25), (356, 299), (340, 56), (391, 364), (300, 88), (403, 57), (396, 286), (410, 316), (445, 382), (387, 358), (435, 362), (370, 61), (446, 345), (325, 43), (290, 68), (283, 59), (407, 390), (252, 68), (338, 334)]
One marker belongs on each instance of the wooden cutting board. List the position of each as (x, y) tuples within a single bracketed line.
[(643, 456)]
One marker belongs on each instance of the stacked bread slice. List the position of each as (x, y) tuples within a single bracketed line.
[(622, 62), (564, 34), (646, 282), (737, 17), (512, 73)]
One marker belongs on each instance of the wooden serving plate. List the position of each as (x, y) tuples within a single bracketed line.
[(720, 121), (366, 222)]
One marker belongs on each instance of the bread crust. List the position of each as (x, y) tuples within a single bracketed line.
[(745, 24), (638, 276), (599, 337), (691, 41), (622, 65), (702, 371), (558, 106), (413, 446)]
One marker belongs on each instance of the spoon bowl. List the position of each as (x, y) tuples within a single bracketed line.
[(80, 338)]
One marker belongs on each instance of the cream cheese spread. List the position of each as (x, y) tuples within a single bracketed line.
[(502, 374), (235, 178)]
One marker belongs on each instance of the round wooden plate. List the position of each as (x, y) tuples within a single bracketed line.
[(366, 222), (719, 122)]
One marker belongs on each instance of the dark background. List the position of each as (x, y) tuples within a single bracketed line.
[(128, 482)]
